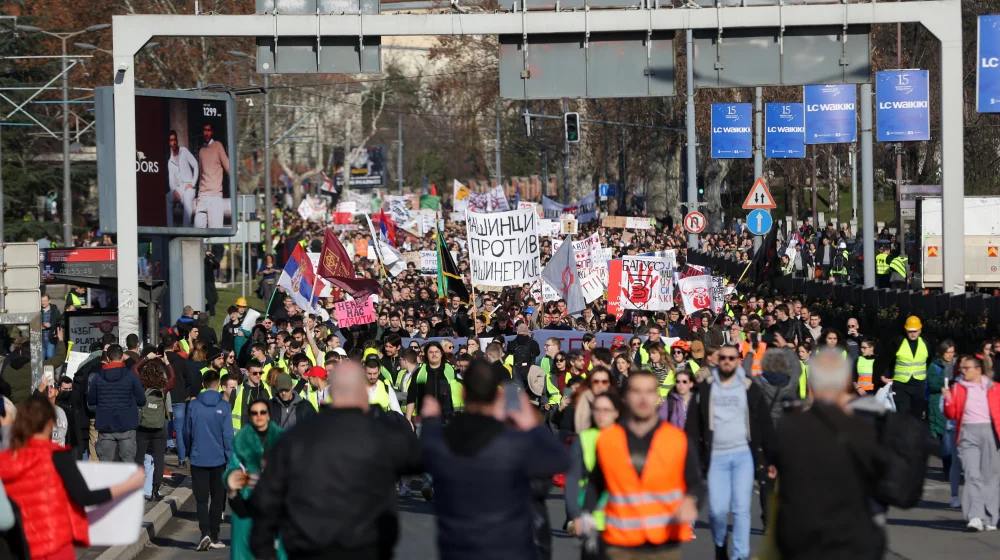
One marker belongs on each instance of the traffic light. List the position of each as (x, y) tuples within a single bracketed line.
[(571, 122), (701, 194)]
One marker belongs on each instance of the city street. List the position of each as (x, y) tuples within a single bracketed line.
[(930, 532)]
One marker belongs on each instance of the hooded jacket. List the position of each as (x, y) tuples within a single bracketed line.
[(497, 525), (776, 389), (286, 415), (116, 394), (208, 430)]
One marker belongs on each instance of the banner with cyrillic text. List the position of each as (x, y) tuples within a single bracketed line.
[(503, 248)]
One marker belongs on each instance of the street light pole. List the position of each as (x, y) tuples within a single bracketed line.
[(268, 211), (67, 179)]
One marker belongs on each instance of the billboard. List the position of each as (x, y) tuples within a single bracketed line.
[(784, 130), (988, 65), (367, 168), (185, 142), (831, 114), (902, 101), (732, 130)]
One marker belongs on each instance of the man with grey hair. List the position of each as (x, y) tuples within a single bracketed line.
[(782, 385), (828, 460), (352, 514)]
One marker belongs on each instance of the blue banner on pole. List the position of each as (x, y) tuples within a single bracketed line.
[(732, 130), (988, 65), (784, 132), (902, 106), (831, 114)]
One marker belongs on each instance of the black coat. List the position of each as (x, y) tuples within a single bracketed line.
[(761, 428), (329, 484), (182, 378)]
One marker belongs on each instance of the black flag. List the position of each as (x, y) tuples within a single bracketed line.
[(766, 263)]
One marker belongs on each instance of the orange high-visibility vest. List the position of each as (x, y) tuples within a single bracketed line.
[(640, 510), (744, 348), (758, 356)]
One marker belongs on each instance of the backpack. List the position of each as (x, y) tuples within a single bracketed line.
[(522, 356), (154, 413)]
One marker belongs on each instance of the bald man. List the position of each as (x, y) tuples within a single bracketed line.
[(328, 487)]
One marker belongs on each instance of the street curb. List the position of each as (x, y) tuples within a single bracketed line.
[(152, 523)]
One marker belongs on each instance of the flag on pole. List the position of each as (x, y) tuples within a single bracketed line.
[(386, 226), (449, 279), (335, 267), (298, 279), (561, 274)]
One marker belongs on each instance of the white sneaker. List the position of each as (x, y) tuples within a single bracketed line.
[(217, 544), (975, 524), (991, 527), (404, 491), (204, 543)]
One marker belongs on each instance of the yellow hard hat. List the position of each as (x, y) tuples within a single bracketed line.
[(241, 302), (913, 323)]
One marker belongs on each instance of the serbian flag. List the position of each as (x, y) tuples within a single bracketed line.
[(336, 267), (299, 280), (386, 226)]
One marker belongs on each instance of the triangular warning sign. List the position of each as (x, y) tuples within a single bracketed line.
[(992, 251), (759, 197)]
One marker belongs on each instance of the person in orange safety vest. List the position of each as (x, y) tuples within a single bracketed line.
[(651, 479)]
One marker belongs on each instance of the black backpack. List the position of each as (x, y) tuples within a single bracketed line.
[(522, 356), (154, 412)]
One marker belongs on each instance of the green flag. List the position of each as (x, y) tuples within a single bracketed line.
[(430, 202)]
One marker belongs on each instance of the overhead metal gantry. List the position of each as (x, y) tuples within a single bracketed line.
[(940, 17)]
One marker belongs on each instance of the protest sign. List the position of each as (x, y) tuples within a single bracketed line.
[(399, 208), (347, 207), (250, 319), (600, 257), (569, 340), (569, 225), (498, 200), (312, 208), (413, 257), (354, 312), (696, 293), (638, 223), (119, 521), (478, 202), (593, 282), (585, 209), (428, 263), (670, 255), (640, 283), (503, 248), (718, 294), (613, 221), (548, 228), (582, 250), (428, 220)]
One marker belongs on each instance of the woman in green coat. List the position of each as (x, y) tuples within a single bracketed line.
[(242, 472), (941, 368)]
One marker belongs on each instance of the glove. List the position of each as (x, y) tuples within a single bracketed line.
[(586, 527)]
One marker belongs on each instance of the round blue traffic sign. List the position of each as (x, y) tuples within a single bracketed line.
[(759, 222)]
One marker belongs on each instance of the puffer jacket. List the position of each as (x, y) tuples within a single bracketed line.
[(116, 395), (51, 519), (287, 415), (776, 388), (936, 374)]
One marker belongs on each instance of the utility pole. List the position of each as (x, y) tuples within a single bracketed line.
[(565, 105), (854, 183), (692, 174), (268, 210), (399, 150), (758, 147), (67, 178), (622, 198), (499, 173), (899, 147), (815, 204)]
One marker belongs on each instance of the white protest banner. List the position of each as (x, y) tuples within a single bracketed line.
[(641, 283), (585, 209), (460, 202), (363, 201), (503, 248), (428, 263), (498, 200), (347, 207), (249, 320), (638, 223), (548, 228), (582, 250), (600, 256), (119, 521), (525, 205), (670, 255), (399, 208), (478, 202), (593, 282), (696, 293), (312, 208), (561, 273), (718, 294), (428, 220), (73, 362)]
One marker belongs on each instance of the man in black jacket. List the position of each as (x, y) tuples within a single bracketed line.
[(348, 509), (730, 426), (184, 380), (497, 523)]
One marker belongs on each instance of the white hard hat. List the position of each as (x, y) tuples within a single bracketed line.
[(842, 245)]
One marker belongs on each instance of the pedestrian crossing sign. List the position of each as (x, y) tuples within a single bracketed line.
[(932, 251), (992, 251)]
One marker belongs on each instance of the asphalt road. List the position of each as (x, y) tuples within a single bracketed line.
[(931, 531)]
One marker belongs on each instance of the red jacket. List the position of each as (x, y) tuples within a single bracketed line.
[(954, 408), (51, 519)]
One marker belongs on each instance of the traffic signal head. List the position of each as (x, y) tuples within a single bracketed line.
[(571, 122)]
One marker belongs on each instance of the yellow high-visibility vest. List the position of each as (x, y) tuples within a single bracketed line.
[(910, 365)]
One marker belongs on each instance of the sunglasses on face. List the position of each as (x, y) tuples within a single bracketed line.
[(600, 382), (259, 413), (636, 343), (728, 358), (684, 382), (563, 360)]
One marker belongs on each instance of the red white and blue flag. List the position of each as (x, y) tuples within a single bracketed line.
[(299, 279)]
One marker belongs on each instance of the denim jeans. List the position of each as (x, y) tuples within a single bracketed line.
[(730, 488), (147, 486), (955, 471), (179, 411), (48, 347)]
